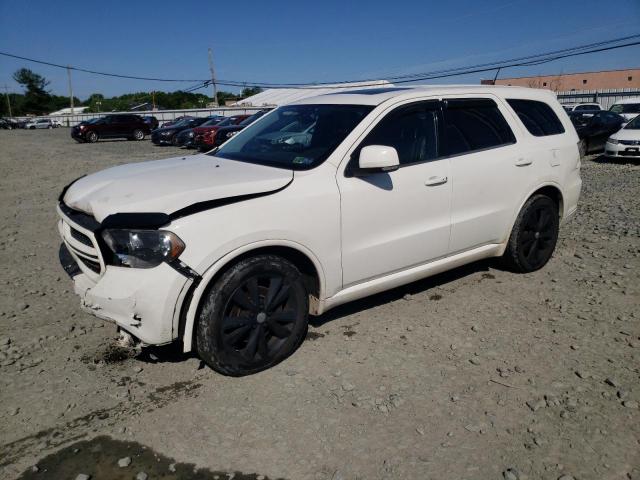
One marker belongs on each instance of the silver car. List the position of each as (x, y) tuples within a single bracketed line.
[(40, 123)]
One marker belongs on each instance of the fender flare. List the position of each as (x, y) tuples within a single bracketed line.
[(209, 273)]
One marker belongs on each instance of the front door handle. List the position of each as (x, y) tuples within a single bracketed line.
[(523, 162), (433, 181)]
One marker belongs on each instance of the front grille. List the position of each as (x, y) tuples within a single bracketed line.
[(630, 142), (77, 231), (81, 237), (93, 266)]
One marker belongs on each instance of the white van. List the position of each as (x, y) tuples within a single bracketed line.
[(318, 203)]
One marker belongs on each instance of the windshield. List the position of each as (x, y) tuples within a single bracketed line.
[(95, 120), (634, 124), (297, 137), (626, 108)]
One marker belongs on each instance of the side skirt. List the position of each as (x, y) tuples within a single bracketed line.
[(413, 274)]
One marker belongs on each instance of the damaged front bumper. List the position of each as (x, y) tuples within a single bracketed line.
[(144, 302)]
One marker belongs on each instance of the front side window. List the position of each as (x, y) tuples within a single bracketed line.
[(538, 117), (410, 129), (297, 137), (634, 124), (474, 124)]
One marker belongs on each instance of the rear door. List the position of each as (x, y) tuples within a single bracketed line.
[(488, 171), (395, 220)]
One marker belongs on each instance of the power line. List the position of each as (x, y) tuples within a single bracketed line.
[(528, 60)]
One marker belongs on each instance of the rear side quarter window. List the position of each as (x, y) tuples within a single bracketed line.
[(538, 117)]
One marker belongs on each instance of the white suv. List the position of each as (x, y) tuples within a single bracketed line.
[(318, 203)]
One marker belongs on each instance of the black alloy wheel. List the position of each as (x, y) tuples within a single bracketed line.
[(255, 316), (534, 235)]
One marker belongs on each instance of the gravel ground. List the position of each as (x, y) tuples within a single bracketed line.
[(474, 374)]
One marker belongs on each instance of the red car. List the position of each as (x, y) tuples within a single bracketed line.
[(204, 136)]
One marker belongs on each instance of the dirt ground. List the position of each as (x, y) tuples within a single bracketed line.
[(474, 374)]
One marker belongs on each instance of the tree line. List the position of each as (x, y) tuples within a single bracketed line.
[(37, 100)]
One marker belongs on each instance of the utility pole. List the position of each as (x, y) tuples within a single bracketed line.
[(6, 91), (70, 88), (153, 100), (213, 78)]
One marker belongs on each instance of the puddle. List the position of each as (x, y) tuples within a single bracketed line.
[(488, 276), (99, 459), (348, 333), (435, 296)]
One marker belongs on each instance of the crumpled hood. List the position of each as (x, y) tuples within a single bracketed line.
[(166, 186)]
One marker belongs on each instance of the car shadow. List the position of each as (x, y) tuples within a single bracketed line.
[(395, 294)]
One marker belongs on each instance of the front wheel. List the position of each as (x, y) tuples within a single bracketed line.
[(534, 235), (254, 316), (138, 135), (92, 137)]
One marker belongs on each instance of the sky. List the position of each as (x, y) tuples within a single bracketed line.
[(297, 41)]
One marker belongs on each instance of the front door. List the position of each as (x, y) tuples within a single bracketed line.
[(395, 220)]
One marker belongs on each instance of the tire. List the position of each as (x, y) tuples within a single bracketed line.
[(534, 235), (91, 137), (32, 128), (50, 127), (253, 317), (138, 134)]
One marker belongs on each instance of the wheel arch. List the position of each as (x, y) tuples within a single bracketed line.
[(300, 256), (551, 190)]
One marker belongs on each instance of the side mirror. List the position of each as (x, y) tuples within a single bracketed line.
[(377, 158)]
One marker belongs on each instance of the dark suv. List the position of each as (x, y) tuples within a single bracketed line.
[(131, 127)]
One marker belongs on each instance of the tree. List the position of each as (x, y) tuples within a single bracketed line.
[(36, 98), (250, 91)]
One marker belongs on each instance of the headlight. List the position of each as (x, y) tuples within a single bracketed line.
[(142, 248), (613, 141), (231, 134)]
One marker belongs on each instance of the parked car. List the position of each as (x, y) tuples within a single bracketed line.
[(629, 108), (56, 123), (593, 131), (169, 135), (175, 120), (225, 133), (186, 137), (8, 124), (586, 109), (204, 136), (131, 127), (151, 121), (229, 252), (625, 143), (38, 124)]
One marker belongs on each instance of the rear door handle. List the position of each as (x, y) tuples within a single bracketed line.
[(433, 181), (523, 162)]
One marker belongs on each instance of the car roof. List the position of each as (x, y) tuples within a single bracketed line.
[(376, 96)]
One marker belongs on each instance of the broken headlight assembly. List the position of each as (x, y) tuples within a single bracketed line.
[(142, 248)]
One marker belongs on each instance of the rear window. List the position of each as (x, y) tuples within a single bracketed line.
[(474, 124), (538, 117)]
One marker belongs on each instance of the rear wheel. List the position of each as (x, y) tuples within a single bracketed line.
[(91, 137), (534, 235), (255, 316), (138, 134)]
